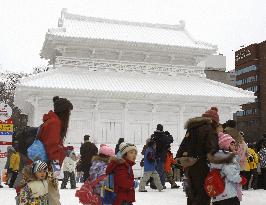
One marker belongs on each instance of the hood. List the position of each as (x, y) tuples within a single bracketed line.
[(223, 156), (100, 158), (197, 121), (50, 115)]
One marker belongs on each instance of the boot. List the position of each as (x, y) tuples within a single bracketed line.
[(174, 186), (63, 187)]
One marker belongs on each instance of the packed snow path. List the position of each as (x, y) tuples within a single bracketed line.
[(168, 196)]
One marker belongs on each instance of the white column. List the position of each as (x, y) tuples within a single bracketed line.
[(181, 123), (153, 123), (36, 111), (125, 121), (95, 118)]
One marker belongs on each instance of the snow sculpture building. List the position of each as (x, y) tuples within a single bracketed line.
[(124, 78)]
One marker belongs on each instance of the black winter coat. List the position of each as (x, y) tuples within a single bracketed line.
[(162, 143), (87, 151)]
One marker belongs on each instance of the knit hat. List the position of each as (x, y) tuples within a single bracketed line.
[(213, 114), (126, 147), (38, 166), (61, 104), (225, 140), (106, 150)]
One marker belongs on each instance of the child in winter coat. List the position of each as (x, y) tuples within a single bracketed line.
[(69, 166), (253, 161), (149, 168), (123, 174), (35, 185), (99, 164), (262, 156), (14, 167), (169, 162), (232, 194)]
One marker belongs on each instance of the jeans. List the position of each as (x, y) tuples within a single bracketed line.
[(146, 177), (160, 170)]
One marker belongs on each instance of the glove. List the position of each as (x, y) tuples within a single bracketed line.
[(243, 181), (56, 168), (136, 184)]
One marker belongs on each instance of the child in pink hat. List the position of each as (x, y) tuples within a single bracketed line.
[(99, 164), (231, 171)]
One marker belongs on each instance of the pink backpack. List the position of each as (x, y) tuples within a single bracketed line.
[(86, 194)]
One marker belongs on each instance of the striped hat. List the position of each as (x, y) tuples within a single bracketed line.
[(126, 147), (38, 166)]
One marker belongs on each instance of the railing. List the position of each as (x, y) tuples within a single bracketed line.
[(124, 66)]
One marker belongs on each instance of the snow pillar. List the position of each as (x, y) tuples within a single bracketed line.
[(181, 122)]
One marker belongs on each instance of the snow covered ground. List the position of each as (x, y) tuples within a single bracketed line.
[(168, 196)]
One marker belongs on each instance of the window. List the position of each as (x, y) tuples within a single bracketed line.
[(247, 80), (253, 88), (252, 111), (246, 69)]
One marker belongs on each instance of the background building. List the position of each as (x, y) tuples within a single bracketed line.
[(250, 75), (215, 69)]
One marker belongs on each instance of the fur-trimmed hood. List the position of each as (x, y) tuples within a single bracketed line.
[(100, 158), (197, 121)]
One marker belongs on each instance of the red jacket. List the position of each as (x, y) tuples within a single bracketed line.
[(50, 135), (169, 161), (123, 180)]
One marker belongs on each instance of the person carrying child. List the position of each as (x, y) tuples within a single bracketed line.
[(149, 168), (34, 185), (124, 184), (232, 194)]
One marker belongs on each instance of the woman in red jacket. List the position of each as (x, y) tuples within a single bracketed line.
[(123, 174), (52, 134)]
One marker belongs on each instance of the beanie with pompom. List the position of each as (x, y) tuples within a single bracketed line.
[(213, 114)]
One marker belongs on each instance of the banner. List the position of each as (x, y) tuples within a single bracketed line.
[(6, 129)]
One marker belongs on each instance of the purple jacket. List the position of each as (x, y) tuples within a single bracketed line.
[(97, 169)]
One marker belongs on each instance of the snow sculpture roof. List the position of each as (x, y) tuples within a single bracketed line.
[(133, 84), (82, 27)]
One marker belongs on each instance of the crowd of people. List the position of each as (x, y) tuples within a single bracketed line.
[(209, 150)]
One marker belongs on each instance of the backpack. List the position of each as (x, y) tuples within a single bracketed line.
[(30, 145), (25, 139), (108, 193), (107, 190), (214, 184), (86, 194)]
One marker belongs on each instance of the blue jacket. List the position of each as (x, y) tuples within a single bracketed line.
[(149, 160)]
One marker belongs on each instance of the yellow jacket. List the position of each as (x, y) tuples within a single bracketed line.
[(14, 161), (253, 164)]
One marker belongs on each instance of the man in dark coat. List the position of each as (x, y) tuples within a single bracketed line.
[(202, 134), (162, 145), (87, 151)]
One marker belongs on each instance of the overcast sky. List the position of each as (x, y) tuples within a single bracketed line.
[(226, 23)]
